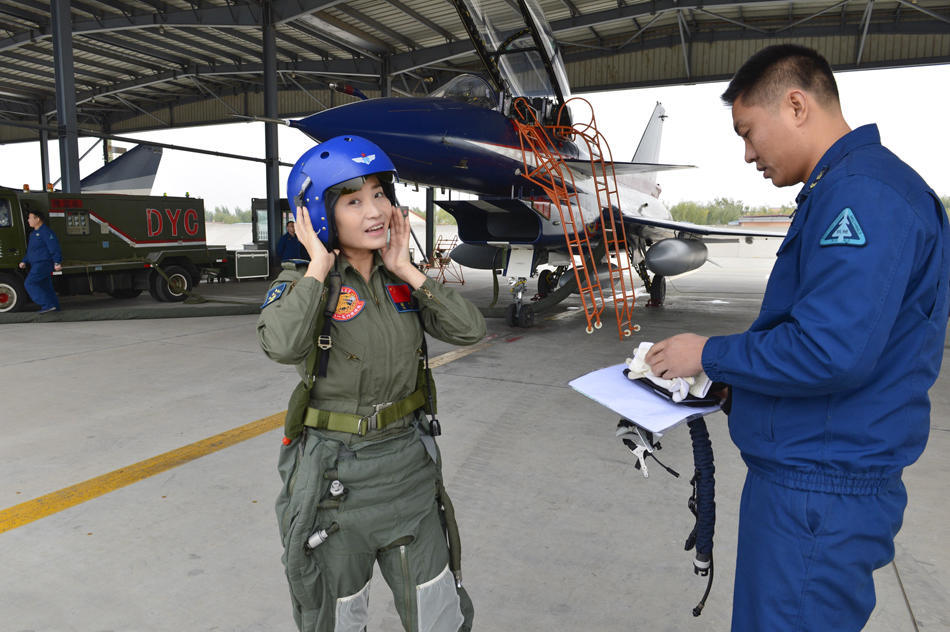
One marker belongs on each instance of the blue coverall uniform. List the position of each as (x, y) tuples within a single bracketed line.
[(830, 388), (288, 248), (42, 253)]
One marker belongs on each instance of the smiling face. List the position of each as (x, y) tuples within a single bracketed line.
[(362, 217), (772, 139)]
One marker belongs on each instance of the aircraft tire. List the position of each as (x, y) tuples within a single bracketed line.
[(12, 293), (176, 287), (526, 316), (546, 282), (511, 315), (658, 291)]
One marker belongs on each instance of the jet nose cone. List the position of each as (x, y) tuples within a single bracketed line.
[(360, 119)]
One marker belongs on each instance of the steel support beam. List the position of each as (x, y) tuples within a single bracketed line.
[(268, 31), (430, 222), (385, 77), (44, 149), (65, 95)]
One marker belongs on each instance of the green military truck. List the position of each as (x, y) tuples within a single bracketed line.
[(118, 244)]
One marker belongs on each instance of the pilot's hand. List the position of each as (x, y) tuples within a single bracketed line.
[(396, 253), (321, 260), (679, 356)]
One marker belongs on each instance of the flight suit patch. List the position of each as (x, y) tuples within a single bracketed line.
[(401, 296), (844, 231), (349, 305), (275, 293)]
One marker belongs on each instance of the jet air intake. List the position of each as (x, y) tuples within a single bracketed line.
[(670, 257)]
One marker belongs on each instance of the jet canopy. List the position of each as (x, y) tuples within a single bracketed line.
[(470, 89), (520, 41)]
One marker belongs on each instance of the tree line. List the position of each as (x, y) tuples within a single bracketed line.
[(721, 211), (224, 215)]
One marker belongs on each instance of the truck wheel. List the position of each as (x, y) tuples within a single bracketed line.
[(125, 293), (12, 293), (175, 287)]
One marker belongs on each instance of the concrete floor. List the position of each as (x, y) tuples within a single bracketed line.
[(559, 531)]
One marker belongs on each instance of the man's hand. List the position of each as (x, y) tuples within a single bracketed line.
[(396, 253), (679, 356), (57, 266), (321, 260), (22, 266)]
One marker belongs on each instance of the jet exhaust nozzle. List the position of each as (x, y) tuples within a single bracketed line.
[(670, 257)]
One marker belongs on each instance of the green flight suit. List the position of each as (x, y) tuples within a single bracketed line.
[(390, 510)]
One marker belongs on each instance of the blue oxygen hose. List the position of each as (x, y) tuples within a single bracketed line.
[(703, 505)]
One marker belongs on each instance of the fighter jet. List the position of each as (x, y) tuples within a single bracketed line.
[(465, 136)]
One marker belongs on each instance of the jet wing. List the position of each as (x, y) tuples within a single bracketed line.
[(697, 229), (624, 168)]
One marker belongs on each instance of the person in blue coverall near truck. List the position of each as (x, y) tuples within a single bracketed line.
[(43, 255), (830, 383)]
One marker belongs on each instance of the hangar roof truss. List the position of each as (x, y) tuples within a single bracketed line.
[(151, 64)]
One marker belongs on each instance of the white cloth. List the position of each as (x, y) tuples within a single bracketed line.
[(680, 387)]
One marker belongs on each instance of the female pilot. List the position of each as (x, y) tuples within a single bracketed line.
[(362, 480)]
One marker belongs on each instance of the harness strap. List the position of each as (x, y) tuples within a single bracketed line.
[(361, 424)]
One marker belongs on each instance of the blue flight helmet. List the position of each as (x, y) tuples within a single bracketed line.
[(333, 168)]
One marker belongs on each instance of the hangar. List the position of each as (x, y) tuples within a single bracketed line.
[(112, 67)]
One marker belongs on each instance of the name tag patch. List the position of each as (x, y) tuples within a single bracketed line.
[(401, 296), (349, 305), (275, 293)]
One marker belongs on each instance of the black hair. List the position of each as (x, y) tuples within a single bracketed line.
[(765, 74), (38, 213)]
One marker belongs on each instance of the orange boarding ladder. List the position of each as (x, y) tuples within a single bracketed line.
[(608, 200), (546, 169)]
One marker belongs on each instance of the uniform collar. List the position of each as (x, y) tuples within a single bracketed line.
[(343, 264), (864, 135)]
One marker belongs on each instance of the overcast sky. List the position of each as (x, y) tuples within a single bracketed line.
[(909, 105)]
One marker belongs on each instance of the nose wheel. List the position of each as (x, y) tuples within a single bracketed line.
[(518, 313)]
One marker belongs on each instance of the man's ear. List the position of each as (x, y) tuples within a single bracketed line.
[(798, 103)]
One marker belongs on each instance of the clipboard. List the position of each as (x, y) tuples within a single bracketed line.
[(637, 402)]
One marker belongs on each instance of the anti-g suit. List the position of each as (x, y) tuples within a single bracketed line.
[(390, 508)]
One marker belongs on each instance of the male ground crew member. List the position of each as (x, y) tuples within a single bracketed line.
[(43, 256), (830, 383), (288, 246)]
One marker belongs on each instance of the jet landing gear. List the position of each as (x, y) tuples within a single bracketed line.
[(519, 314), (655, 285), (549, 280), (657, 289)]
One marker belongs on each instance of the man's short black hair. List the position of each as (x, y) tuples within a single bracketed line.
[(39, 214), (764, 75)]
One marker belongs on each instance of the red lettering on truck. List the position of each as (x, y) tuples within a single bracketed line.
[(150, 215), (191, 222), (174, 219)]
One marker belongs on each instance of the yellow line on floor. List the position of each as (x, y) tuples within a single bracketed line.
[(37, 508), (51, 503)]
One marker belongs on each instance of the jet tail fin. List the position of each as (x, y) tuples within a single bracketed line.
[(131, 173), (648, 151)]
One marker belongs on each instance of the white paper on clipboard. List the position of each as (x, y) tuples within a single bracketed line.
[(611, 388)]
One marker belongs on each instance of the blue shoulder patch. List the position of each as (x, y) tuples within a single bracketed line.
[(844, 231), (275, 293)]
